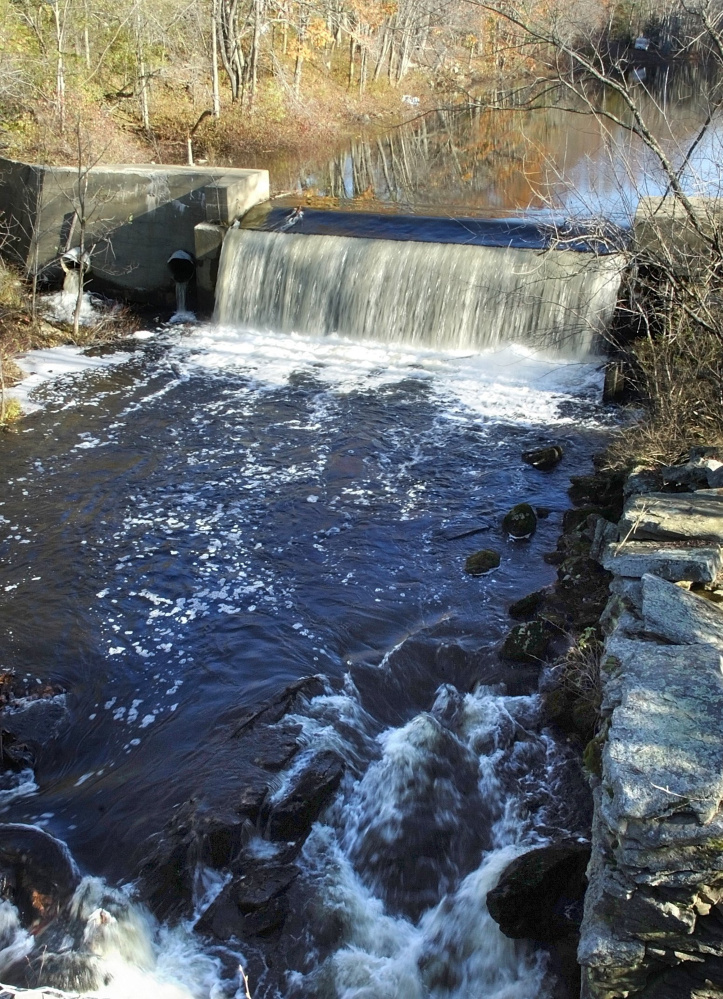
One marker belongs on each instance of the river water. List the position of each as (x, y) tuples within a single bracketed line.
[(194, 525), (465, 159)]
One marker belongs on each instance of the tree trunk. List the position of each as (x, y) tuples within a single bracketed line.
[(214, 61), (60, 66), (299, 52)]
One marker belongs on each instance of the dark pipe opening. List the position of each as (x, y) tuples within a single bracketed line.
[(182, 266), (70, 260)]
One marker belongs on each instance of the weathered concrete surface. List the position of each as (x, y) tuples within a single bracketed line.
[(653, 921), (208, 240), (664, 232), (672, 561), (678, 515), (137, 216)]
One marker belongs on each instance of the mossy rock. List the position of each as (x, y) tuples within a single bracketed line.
[(526, 606), (592, 756), (557, 705), (544, 458), (521, 521), (602, 489), (481, 562), (527, 643), (584, 717)]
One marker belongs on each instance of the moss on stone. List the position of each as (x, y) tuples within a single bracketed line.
[(481, 562), (521, 521), (527, 643)]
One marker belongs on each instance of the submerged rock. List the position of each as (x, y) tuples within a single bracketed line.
[(540, 895), (521, 521), (37, 872), (527, 606), (544, 458), (481, 562), (308, 792)]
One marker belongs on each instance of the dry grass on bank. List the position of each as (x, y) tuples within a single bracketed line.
[(21, 330), (678, 376)]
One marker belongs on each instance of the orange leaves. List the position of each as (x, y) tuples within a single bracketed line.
[(317, 34)]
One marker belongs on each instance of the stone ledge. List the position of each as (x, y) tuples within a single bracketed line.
[(682, 561), (674, 515), (655, 893)]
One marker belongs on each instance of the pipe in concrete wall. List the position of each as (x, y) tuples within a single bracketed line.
[(71, 260), (182, 266)]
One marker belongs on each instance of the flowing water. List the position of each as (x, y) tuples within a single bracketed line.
[(225, 511)]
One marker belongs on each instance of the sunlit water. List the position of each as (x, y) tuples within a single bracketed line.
[(541, 163), (196, 523)]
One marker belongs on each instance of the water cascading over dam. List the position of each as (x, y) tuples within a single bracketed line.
[(437, 295)]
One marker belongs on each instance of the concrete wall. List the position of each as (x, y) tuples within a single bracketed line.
[(136, 217), (664, 233)]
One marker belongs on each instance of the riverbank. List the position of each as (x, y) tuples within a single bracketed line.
[(25, 326)]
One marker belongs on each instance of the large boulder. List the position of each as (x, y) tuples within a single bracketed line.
[(540, 895), (37, 872), (679, 616), (682, 515)]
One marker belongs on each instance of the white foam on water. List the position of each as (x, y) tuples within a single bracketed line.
[(61, 305), (512, 383), (16, 785), (122, 947), (50, 364), (456, 951), (15, 942)]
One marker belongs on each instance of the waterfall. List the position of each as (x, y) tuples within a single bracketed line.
[(446, 296)]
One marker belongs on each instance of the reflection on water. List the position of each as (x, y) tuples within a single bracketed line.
[(558, 157)]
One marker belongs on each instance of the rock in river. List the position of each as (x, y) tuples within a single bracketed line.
[(38, 874), (520, 521), (527, 643), (540, 894), (481, 562), (544, 458), (308, 792)]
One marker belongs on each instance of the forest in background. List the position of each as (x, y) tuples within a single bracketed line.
[(247, 79)]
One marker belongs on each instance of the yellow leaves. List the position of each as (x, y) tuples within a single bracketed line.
[(318, 34), (374, 14)]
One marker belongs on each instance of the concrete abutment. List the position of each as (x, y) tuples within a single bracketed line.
[(136, 217)]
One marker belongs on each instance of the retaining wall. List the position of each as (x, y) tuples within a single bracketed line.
[(653, 922), (136, 217)]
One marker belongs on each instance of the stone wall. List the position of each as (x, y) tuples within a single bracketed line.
[(653, 921), (137, 216)]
